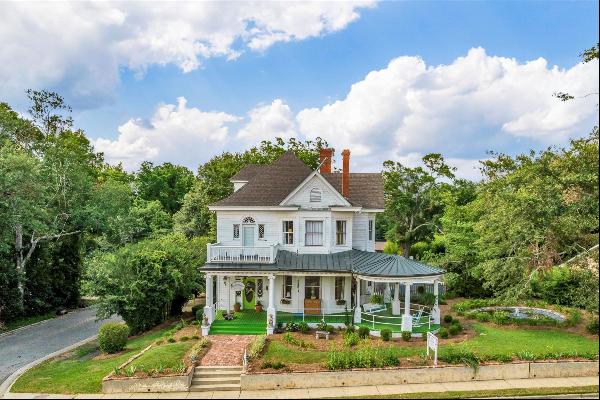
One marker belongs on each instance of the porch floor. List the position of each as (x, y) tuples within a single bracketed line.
[(245, 322)]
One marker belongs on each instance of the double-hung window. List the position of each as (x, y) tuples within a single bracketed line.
[(312, 287), (370, 229), (314, 233), (339, 287), (287, 287), (288, 232), (340, 233)]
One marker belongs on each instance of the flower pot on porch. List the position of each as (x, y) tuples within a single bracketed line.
[(237, 307), (258, 307)]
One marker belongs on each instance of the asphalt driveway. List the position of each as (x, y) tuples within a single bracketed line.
[(34, 342)]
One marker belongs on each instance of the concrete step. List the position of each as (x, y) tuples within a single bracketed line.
[(214, 381), (217, 374), (218, 368), (215, 387)]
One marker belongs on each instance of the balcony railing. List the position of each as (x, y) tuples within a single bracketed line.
[(218, 253)]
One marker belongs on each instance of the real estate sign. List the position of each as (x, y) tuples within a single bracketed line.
[(432, 344)]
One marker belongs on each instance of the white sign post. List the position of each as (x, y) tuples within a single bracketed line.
[(432, 344)]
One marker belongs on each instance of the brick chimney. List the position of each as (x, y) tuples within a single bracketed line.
[(345, 173), (325, 156)]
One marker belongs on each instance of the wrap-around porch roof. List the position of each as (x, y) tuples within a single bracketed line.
[(362, 263)]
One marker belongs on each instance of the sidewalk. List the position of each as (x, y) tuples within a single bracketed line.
[(356, 391)]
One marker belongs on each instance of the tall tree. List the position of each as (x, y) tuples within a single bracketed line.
[(166, 183)]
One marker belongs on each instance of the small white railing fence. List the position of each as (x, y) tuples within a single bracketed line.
[(218, 253), (316, 315), (421, 316)]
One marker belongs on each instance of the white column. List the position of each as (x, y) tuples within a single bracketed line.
[(271, 310), (208, 307), (407, 318), (396, 301), (435, 311), (357, 317)]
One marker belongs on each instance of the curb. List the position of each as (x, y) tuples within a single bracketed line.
[(11, 332), (7, 384)]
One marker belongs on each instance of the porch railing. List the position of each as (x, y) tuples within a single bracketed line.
[(218, 253), (315, 316)]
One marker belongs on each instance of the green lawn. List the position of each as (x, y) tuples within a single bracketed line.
[(489, 341), (79, 373), (20, 322), (165, 356)]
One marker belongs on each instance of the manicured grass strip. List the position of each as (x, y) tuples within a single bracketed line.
[(277, 351), (537, 392), (80, 373), (165, 356), (21, 322)]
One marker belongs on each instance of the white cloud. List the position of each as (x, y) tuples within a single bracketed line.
[(269, 121), (80, 46), (476, 103), (175, 133)]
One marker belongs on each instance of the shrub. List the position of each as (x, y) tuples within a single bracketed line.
[(184, 338), (452, 355), (444, 334), (362, 358), (448, 318), (573, 317), (406, 336), (303, 327), (363, 332), (198, 349), (454, 329), (376, 299), (501, 317), (351, 339), (273, 364), (195, 337), (482, 316), (112, 337), (386, 335), (291, 327), (257, 345), (199, 315), (592, 326), (322, 326), (171, 339), (195, 310)]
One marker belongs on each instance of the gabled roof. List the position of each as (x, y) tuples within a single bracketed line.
[(247, 173), (271, 185), (365, 189), (352, 261)]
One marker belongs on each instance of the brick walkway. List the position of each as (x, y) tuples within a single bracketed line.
[(226, 349)]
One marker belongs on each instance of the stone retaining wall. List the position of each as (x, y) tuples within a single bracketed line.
[(175, 383), (523, 370)]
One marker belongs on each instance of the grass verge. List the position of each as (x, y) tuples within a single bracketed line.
[(21, 322)]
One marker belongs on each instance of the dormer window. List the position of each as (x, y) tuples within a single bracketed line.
[(315, 195)]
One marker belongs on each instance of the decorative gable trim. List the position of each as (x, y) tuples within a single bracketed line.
[(325, 182)]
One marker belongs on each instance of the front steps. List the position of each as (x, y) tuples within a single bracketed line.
[(214, 378)]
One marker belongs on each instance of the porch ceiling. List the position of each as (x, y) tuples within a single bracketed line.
[(353, 261)]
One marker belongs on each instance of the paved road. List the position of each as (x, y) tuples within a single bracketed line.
[(34, 342)]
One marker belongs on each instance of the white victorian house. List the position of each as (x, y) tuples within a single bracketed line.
[(300, 245)]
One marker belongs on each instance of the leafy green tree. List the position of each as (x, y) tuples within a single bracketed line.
[(140, 281), (412, 199), (166, 183)]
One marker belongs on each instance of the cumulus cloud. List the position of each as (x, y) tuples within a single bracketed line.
[(80, 46), (175, 133), (269, 121), (476, 103)]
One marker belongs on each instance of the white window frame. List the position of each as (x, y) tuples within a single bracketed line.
[(288, 234), (335, 284), (371, 228), (319, 286), (306, 233), (344, 232), (284, 286)]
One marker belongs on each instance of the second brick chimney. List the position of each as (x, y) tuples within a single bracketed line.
[(325, 156), (345, 173)]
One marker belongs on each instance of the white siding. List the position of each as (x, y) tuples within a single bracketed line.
[(329, 197)]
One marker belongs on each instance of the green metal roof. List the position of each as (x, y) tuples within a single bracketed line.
[(351, 261)]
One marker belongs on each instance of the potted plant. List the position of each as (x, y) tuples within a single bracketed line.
[(258, 307), (286, 301), (340, 302), (237, 307)]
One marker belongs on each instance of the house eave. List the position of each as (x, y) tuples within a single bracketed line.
[(253, 208)]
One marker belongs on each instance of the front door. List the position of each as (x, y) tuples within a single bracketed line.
[(249, 293), (248, 236)]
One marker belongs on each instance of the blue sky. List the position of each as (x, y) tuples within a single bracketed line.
[(316, 71)]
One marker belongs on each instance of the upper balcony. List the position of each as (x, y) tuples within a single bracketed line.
[(218, 253)]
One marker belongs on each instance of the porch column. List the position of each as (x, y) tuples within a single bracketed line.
[(407, 318), (208, 307), (396, 301), (435, 311), (271, 310), (357, 318)]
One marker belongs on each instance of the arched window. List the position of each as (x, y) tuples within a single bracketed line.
[(315, 195), (248, 220)]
